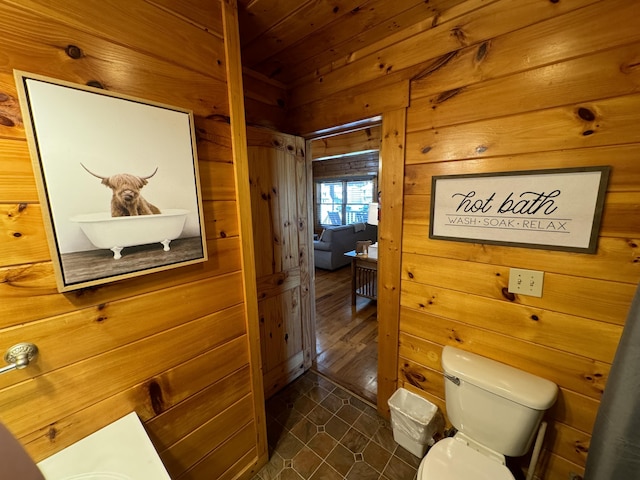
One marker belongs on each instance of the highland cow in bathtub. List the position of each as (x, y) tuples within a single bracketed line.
[(126, 200)]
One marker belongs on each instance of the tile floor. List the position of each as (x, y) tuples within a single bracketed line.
[(317, 430)]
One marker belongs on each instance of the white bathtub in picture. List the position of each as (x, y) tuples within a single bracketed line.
[(116, 233)]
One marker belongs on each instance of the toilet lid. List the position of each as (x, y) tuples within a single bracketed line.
[(452, 459)]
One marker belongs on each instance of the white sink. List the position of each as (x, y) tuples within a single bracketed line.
[(119, 451)]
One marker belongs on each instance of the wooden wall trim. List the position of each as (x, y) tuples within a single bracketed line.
[(390, 239), (241, 168)]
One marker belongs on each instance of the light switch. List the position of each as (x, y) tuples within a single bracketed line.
[(526, 282)]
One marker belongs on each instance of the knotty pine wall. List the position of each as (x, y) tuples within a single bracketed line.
[(496, 86), (172, 346)]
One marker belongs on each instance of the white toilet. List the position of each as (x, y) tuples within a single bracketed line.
[(495, 408)]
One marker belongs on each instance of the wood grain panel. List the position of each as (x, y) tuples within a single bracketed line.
[(344, 39), (168, 390), (220, 219), (358, 141), (100, 329), (580, 374), (578, 32), (543, 327), (51, 48), (355, 166), (17, 184), (223, 458), (23, 235), (142, 26), (624, 176), (561, 293), (390, 251), (350, 105), (172, 424), (584, 79), (189, 450), (35, 284), (257, 454), (569, 443), (283, 34), (494, 19), (203, 13), (610, 122), (46, 397), (616, 260)]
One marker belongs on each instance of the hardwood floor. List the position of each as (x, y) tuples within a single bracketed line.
[(346, 335)]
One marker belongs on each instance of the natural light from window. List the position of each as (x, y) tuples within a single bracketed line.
[(342, 202)]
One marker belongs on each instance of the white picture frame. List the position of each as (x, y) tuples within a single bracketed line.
[(117, 178)]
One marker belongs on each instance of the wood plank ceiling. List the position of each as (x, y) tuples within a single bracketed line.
[(292, 41)]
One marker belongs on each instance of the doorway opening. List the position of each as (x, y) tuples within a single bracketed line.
[(346, 163)]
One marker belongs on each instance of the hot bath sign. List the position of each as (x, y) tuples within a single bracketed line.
[(552, 209)]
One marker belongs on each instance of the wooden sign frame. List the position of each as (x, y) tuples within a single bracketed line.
[(110, 228), (557, 209)]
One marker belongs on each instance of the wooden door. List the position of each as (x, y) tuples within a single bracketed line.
[(280, 194)]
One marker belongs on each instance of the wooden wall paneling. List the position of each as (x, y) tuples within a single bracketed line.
[(215, 465), (352, 142), (134, 341), (555, 467), (112, 326), (479, 25), (47, 396), (241, 175), (341, 41), (204, 13), (265, 99), (571, 444), (348, 106), (283, 34), (616, 260), (610, 122), (261, 15), (23, 238), (579, 374), (185, 454), (304, 177), (354, 166), (624, 175), (143, 27), (561, 293), (580, 80), (389, 239), (17, 184), (220, 218), (177, 384), (525, 49), (34, 285), (76, 56), (544, 327)]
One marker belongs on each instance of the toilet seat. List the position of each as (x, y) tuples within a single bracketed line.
[(452, 459)]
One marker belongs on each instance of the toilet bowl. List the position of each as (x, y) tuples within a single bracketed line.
[(453, 459), (496, 410)]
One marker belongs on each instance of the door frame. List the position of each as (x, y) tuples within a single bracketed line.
[(391, 186)]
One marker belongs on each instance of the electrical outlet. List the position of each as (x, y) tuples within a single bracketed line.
[(526, 282)]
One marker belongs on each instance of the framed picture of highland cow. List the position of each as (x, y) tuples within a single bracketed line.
[(117, 178)]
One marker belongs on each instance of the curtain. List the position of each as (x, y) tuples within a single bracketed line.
[(614, 453)]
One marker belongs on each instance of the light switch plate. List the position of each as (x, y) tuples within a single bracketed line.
[(526, 282)]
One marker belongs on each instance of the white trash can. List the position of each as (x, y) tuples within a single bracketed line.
[(414, 421)]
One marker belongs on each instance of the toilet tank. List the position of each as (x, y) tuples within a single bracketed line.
[(496, 405)]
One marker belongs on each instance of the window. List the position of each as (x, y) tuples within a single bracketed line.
[(341, 202)]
